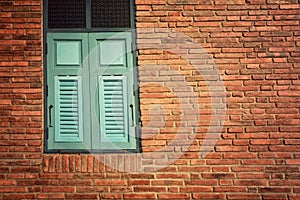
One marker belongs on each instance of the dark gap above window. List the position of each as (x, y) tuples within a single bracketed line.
[(103, 14), (110, 14), (66, 13)]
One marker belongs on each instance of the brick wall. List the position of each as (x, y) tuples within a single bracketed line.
[(255, 48)]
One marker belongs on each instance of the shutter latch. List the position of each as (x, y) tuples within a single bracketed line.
[(132, 115)]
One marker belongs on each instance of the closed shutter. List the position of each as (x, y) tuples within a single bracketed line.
[(66, 82), (114, 124), (91, 102)]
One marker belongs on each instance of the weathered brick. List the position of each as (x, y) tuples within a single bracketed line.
[(19, 196), (139, 196), (81, 196)]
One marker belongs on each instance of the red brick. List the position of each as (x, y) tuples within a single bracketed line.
[(275, 190), (195, 189), (82, 196), (76, 182), (258, 175), (19, 196), (231, 148), (83, 189), (220, 189), (110, 196), (13, 189), (174, 196), (59, 189), (150, 189), (294, 197), (166, 182), (151, 2), (284, 183), (250, 182), (292, 162), (139, 196), (139, 182), (217, 2), (7, 182), (110, 182)]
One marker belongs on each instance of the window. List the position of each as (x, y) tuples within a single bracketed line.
[(91, 103)]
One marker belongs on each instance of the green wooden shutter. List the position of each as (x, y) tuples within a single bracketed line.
[(112, 84), (91, 103), (66, 80)]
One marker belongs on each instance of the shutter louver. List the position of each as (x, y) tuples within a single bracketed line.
[(69, 108), (114, 113)]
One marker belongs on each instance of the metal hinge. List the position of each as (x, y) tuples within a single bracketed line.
[(47, 133), (47, 91), (133, 49), (134, 92)]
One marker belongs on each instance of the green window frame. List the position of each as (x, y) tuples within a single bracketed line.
[(91, 98)]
